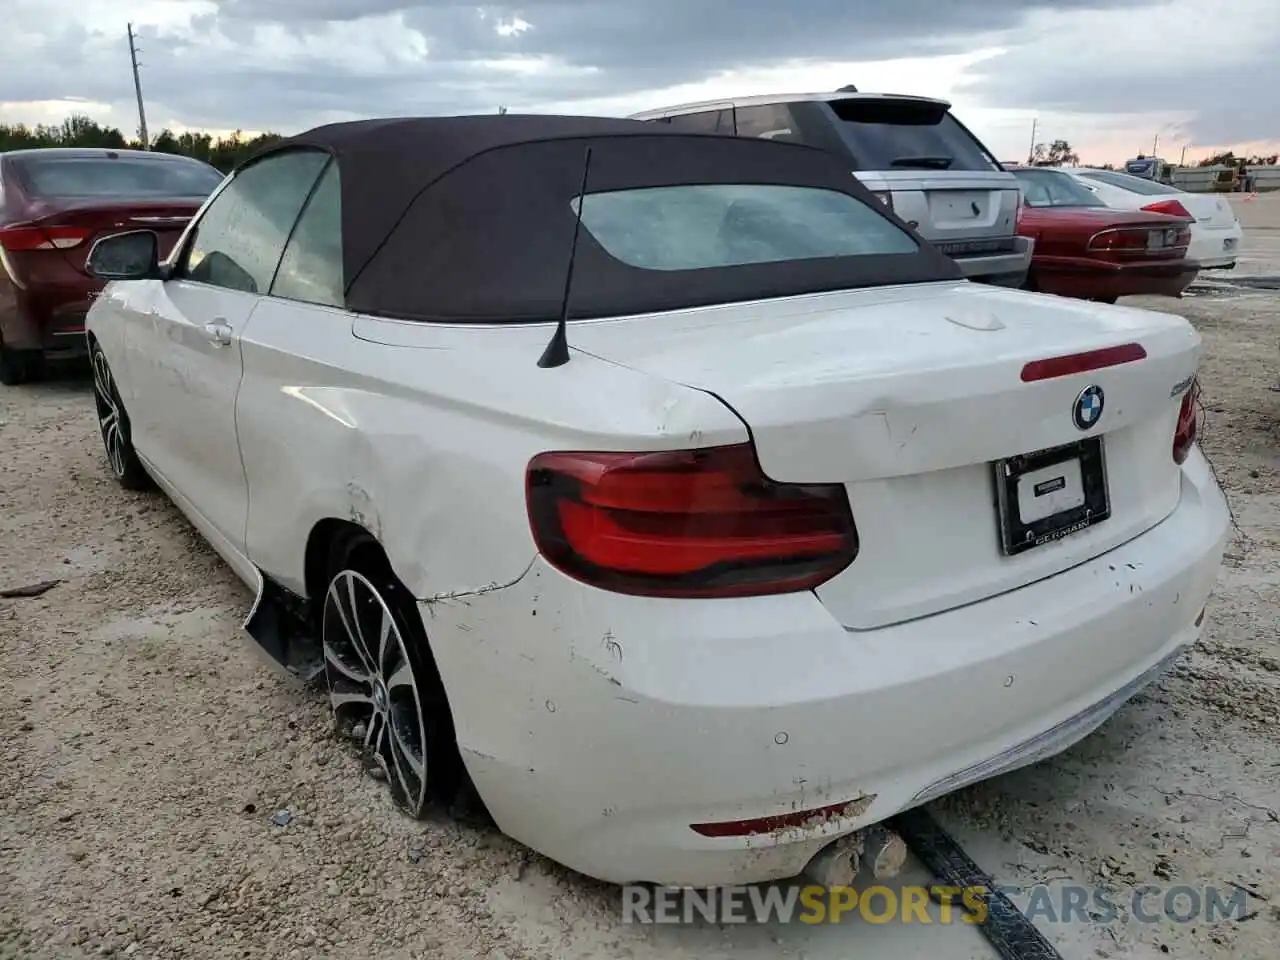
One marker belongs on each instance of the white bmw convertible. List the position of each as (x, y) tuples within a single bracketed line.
[(665, 490)]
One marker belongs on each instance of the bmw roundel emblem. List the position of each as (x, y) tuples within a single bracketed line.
[(1088, 407)]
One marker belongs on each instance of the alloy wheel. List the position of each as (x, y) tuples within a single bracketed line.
[(373, 689), (109, 416)]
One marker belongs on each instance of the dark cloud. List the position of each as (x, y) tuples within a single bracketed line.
[(1219, 74), (286, 64), (682, 41)]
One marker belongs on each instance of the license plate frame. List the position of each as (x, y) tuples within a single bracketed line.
[(1017, 535)]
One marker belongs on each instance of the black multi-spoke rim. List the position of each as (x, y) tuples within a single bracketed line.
[(109, 420), (372, 686)]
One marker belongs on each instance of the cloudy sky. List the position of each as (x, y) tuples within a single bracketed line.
[(1107, 75)]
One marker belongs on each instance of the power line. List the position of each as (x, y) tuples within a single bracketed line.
[(137, 89)]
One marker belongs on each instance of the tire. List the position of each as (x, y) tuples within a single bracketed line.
[(113, 425), (19, 366), (389, 698)]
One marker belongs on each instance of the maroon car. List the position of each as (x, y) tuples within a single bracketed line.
[(53, 204), (1090, 251)]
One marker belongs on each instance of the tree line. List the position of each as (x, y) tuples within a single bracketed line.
[(81, 131), (1229, 159), (1059, 153), (226, 152)]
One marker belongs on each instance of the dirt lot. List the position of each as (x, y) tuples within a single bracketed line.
[(144, 749)]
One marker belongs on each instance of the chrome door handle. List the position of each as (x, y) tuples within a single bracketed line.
[(218, 332)]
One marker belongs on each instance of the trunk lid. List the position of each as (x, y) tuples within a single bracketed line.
[(940, 176), (74, 227), (1067, 231), (909, 397), (1100, 218), (1209, 211), (959, 214)]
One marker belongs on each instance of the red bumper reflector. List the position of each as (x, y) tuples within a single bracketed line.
[(800, 819), (1053, 367)]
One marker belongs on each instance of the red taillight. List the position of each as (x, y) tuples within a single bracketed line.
[(1052, 367), (1184, 435), (1142, 241), (1150, 241), (686, 523), (17, 239), (1172, 208), (1131, 240)]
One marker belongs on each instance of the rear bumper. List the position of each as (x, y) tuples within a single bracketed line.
[(1215, 248), (599, 727), (1086, 279), (1002, 269), (50, 320)]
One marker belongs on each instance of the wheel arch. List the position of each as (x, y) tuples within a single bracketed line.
[(324, 534)]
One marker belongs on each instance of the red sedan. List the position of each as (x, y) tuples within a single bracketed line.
[(53, 205), (1090, 251)]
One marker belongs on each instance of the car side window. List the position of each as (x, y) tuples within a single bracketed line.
[(238, 241), (311, 269), (708, 121), (773, 121)]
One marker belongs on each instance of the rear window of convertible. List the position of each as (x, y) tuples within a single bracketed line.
[(696, 226)]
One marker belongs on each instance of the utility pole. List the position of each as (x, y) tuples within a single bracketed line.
[(137, 89), (1182, 160), (1155, 145), (1031, 150)]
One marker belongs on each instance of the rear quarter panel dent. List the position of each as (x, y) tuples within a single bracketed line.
[(425, 440)]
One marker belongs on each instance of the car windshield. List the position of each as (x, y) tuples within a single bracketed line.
[(1147, 188), (1051, 188), (893, 134), (119, 176), (694, 227)]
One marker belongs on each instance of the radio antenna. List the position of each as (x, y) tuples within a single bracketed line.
[(557, 352)]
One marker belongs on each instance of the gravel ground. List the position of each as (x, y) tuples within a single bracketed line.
[(146, 753)]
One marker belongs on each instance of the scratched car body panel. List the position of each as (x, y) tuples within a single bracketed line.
[(764, 555)]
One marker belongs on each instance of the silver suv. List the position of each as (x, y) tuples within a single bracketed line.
[(910, 151)]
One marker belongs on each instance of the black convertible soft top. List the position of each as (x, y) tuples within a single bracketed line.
[(471, 219)]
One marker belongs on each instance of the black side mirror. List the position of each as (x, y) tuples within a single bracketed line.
[(126, 256)]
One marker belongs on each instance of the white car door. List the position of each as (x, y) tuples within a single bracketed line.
[(294, 385), (184, 354)]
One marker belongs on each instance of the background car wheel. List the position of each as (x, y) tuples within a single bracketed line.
[(113, 424), (383, 685), (19, 366)]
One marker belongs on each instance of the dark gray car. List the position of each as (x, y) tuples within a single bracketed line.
[(910, 151)]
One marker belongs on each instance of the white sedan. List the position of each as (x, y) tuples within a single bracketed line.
[(665, 490), (1216, 233)]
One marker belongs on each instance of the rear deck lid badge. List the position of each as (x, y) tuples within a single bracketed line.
[(1087, 409)]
